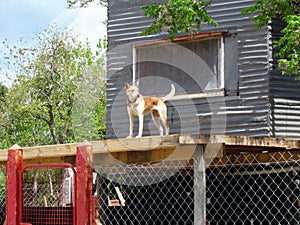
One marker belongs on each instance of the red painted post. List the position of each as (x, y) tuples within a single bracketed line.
[(14, 167), (84, 169)]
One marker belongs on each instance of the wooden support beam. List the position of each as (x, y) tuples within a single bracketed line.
[(43, 152), (142, 157), (100, 147), (155, 148), (141, 144), (279, 157), (240, 141), (199, 186)]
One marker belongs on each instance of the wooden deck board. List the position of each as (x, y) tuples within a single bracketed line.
[(155, 148)]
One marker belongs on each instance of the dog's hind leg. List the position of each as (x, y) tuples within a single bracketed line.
[(156, 120), (166, 126), (164, 119), (165, 123)]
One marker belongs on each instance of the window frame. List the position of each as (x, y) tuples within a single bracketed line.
[(215, 92)]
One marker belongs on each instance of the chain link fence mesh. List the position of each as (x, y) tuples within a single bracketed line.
[(48, 196), (260, 188), (254, 189)]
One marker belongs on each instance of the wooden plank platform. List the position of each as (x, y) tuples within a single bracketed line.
[(155, 148)]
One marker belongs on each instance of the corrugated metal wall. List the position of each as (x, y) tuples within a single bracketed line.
[(285, 95), (286, 107), (245, 112)]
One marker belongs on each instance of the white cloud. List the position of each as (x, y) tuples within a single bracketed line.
[(87, 22), (25, 18)]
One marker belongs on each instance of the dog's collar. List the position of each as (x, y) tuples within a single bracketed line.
[(134, 101)]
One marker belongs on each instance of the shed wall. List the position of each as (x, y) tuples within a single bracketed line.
[(245, 107), (285, 95)]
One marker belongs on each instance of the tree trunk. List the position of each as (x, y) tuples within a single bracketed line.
[(51, 125)]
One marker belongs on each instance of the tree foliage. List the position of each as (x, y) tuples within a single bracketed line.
[(288, 44), (176, 16), (84, 3), (188, 16), (290, 47), (58, 93), (3, 92), (266, 10)]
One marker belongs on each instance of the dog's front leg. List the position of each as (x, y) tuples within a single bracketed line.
[(141, 125), (131, 121)]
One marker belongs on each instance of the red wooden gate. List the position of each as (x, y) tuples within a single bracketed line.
[(42, 194), (48, 193)]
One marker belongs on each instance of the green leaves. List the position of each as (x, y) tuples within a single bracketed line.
[(188, 16), (288, 45), (55, 93), (83, 3), (267, 9), (177, 16)]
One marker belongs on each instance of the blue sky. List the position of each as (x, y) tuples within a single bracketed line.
[(25, 18)]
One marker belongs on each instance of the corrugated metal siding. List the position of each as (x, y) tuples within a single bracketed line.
[(285, 95), (247, 113), (285, 92)]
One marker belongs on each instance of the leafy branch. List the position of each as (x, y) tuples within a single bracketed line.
[(288, 44), (177, 16), (83, 3)]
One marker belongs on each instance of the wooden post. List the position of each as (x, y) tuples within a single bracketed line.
[(14, 167), (84, 200), (199, 186)]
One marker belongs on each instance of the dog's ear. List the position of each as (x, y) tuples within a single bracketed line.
[(137, 83), (127, 85)]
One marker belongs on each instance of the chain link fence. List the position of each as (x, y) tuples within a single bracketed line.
[(48, 196), (260, 188), (254, 189)]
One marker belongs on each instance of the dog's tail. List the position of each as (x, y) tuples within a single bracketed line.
[(171, 94)]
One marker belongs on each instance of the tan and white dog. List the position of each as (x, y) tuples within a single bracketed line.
[(138, 105)]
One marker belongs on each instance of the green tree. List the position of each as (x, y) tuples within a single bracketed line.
[(3, 92), (176, 16), (84, 3), (55, 95), (188, 15), (288, 44)]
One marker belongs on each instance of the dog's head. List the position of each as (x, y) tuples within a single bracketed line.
[(132, 91)]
